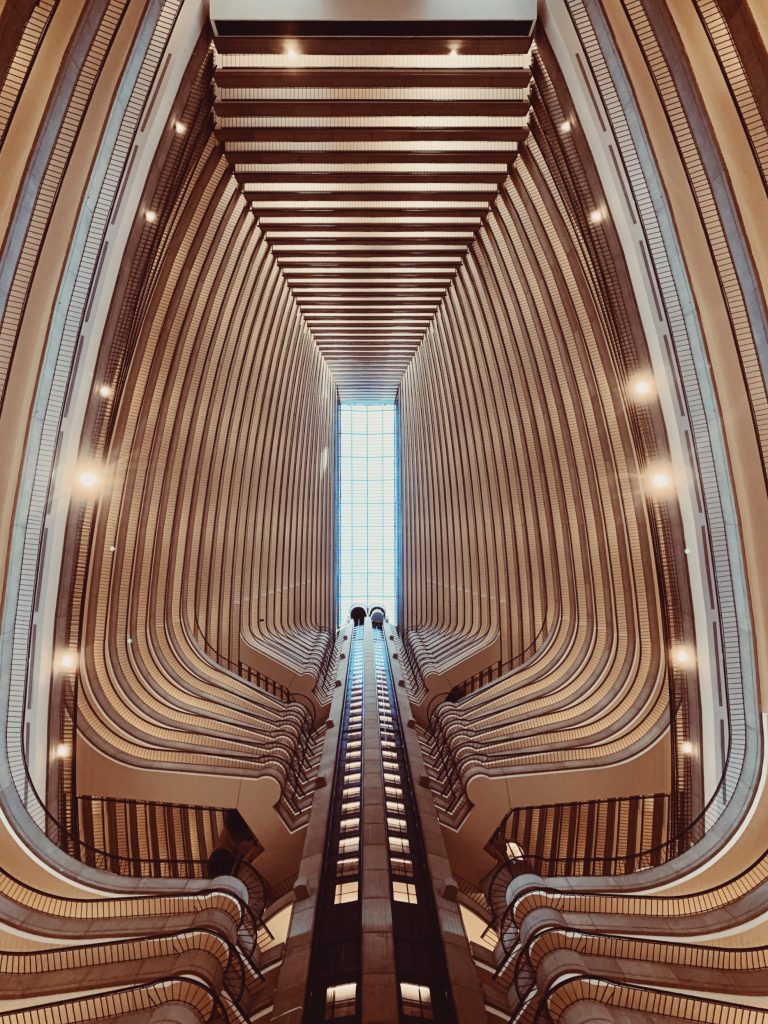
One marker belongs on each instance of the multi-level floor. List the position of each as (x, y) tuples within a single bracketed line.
[(531, 788)]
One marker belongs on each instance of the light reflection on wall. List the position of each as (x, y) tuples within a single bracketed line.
[(367, 507)]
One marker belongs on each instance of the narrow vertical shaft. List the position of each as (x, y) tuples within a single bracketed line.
[(420, 966), (333, 991), (377, 951), (380, 992)]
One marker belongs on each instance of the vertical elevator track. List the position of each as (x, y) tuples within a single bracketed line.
[(372, 765), (419, 956), (336, 956)]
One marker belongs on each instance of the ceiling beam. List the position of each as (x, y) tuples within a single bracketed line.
[(380, 77), (435, 107), (475, 155), (369, 133), (401, 177)]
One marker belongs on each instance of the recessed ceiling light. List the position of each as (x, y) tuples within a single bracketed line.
[(565, 127), (179, 127), (150, 216), (454, 51), (686, 747), (596, 216), (291, 52), (642, 386), (88, 479), (105, 391), (67, 661), (681, 656), (62, 750), (660, 480)]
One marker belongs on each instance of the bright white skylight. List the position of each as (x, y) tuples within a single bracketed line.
[(367, 507)]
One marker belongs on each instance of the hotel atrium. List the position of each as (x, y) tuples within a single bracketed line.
[(384, 460)]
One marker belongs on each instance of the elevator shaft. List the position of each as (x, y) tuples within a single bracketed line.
[(377, 953)]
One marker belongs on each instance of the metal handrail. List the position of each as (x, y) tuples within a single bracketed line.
[(412, 663), (249, 920), (281, 888), (471, 892), (543, 1016), (72, 844), (493, 673), (282, 759), (326, 661), (490, 674), (250, 915), (263, 681), (191, 868), (450, 771), (235, 969), (297, 767), (629, 863), (219, 1014)]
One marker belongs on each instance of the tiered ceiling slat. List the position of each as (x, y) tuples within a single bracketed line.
[(371, 152)]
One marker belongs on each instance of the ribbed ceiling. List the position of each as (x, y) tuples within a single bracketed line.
[(371, 162)]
